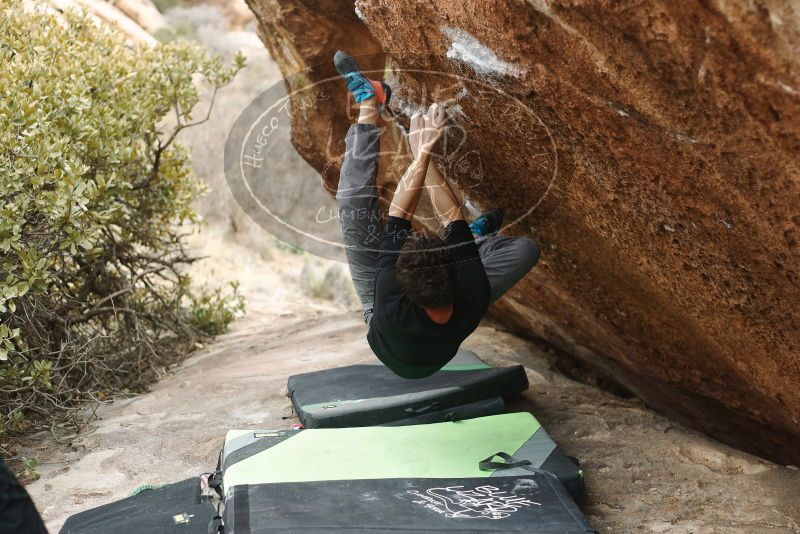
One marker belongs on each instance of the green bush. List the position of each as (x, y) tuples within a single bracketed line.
[(95, 195), (212, 311)]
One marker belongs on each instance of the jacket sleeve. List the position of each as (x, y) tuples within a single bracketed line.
[(462, 243), (394, 235)]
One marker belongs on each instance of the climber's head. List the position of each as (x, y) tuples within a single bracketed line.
[(426, 273)]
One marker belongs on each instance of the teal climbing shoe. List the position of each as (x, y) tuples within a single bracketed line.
[(487, 224), (358, 84)]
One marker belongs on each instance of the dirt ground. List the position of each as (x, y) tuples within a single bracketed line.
[(643, 472)]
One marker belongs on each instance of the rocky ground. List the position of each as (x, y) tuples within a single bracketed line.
[(643, 472)]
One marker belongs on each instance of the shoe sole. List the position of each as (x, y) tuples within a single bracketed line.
[(345, 64), (491, 216)]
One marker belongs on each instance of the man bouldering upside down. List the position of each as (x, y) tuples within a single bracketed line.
[(422, 295)]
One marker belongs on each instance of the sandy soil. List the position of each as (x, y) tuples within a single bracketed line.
[(644, 473)]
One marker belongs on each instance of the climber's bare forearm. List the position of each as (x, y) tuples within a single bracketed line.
[(444, 200), (424, 132), (409, 189)]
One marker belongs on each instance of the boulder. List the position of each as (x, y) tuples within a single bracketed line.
[(653, 152), (237, 15), (106, 14), (142, 12)]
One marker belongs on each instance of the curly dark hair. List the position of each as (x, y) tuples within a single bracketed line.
[(426, 272)]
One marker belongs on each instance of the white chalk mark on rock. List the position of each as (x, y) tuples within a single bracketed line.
[(407, 107), (467, 49), (788, 89), (472, 208), (683, 138)]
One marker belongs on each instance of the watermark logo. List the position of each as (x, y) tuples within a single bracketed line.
[(482, 502), (284, 194)]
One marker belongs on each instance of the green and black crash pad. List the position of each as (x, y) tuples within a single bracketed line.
[(437, 450), (172, 509), (531, 503), (500, 473), (371, 395)]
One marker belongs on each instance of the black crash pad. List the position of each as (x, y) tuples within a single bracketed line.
[(172, 509), (372, 395)]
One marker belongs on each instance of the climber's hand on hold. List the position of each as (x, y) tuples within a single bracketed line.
[(429, 129), (423, 134)]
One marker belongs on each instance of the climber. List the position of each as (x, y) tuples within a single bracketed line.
[(422, 295)]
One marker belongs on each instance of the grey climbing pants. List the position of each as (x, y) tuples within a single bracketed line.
[(505, 259)]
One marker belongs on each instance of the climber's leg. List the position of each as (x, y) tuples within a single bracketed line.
[(506, 260), (359, 211), (357, 193)]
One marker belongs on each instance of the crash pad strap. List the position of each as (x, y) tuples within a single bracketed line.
[(510, 462)]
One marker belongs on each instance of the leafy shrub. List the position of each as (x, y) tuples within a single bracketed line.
[(211, 311), (94, 196)]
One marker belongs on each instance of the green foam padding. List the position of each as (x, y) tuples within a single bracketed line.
[(474, 367), (439, 450)]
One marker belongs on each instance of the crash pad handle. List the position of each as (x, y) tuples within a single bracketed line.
[(510, 462), (422, 409)]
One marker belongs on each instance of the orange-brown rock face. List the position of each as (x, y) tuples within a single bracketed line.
[(653, 151)]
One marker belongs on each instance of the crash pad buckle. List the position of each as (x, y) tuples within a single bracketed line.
[(215, 483)]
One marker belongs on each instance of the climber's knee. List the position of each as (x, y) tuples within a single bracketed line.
[(529, 252)]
